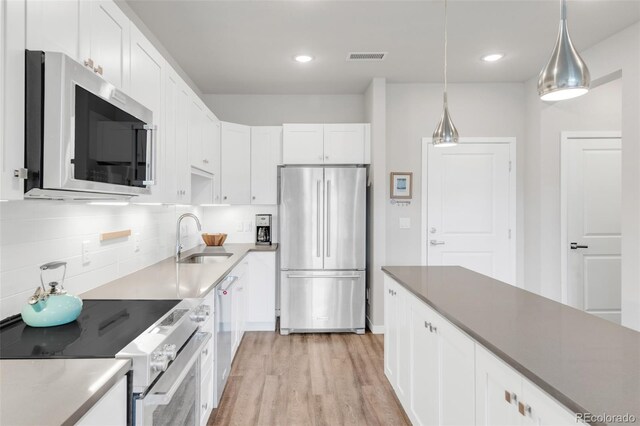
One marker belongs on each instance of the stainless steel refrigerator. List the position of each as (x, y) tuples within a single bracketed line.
[(322, 215)]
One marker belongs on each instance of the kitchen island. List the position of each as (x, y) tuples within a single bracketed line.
[(590, 366)]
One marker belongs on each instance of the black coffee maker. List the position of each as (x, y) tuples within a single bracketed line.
[(263, 229)]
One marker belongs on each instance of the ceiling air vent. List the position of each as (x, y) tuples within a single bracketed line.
[(366, 56)]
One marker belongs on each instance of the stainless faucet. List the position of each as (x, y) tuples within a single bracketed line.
[(178, 244)]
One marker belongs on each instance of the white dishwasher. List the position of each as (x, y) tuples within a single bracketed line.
[(223, 336)]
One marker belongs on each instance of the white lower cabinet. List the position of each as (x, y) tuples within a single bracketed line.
[(443, 377), (110, 410), (260, 302), (206, 395)]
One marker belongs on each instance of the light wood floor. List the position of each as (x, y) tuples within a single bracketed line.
[(309, 379)]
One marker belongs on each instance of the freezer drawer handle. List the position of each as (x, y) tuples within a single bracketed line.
[(318, 218), (323, 276), (328, 242)]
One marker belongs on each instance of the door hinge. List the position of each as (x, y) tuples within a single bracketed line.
[(21, 173), (509, 233), (509, 165)]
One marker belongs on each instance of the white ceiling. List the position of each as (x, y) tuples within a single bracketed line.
[(247, 46)]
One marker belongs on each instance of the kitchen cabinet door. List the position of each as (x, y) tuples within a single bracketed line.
[(266, 154), (211, 147), (146, 87), (110, 410), (390, 331), (196, 125), (303, 144), (261, 292), (12, 66), (403, 332), (54, 25), (498, 391), (183, 166), (541, 410), (344, 143), (456, 372), (104, 39), (424, 399), (170, 134), (235, 165), (206, 394)]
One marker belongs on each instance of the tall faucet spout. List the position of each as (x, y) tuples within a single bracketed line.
[(178, 236)]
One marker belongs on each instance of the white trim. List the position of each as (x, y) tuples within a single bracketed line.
[(512, 195), (375, 329), (564, 180), (260, 326)]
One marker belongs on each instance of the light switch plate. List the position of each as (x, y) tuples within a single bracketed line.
[(239, 227), (405, 223), (136, 242), (247, 226)]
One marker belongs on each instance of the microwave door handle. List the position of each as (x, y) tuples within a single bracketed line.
[(151, 155)]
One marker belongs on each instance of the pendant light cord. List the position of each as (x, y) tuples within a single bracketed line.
[(445, 52)]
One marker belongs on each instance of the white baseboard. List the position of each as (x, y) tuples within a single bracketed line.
[(260, 326), (375, 329)]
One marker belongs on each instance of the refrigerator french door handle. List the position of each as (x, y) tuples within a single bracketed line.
[(328, 203), (319, 218)]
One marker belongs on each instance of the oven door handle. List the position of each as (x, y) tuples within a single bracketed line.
[(151, 155), (165, 388)]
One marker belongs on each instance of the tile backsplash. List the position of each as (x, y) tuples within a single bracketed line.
[(36, 232), (238, 222)]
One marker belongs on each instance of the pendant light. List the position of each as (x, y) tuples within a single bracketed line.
[(566, 76), (446, 133)]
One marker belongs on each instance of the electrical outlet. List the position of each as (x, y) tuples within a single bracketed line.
[(86, 258), (405, 223), (247, 226), (136, 241), (239, 227)]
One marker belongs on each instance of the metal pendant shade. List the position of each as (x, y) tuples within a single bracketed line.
[(445, 133), (566, 75)]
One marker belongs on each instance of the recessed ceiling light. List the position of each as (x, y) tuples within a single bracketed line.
[(492, 57), (303, 58)]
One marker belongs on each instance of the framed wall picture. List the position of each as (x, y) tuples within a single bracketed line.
[(401, 185)]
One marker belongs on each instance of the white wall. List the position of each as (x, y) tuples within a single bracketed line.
[(274, 110), (231, 219), (617, 54), (36, 232), (413, 110)]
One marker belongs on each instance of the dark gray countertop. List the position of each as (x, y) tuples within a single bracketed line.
[(586, 363)]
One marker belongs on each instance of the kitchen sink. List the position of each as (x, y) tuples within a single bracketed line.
[(206, 258)]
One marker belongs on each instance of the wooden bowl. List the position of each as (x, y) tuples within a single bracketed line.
[(214, 239)]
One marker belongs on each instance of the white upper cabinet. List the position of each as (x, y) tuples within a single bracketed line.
[(170, 134), (54, 25), (146, 86), (211, 144), (344, 143), (303, 144), (236, 164), (183, 166), (266, 154), (196, 125), (326, 143), (104, 41), (12, 45)]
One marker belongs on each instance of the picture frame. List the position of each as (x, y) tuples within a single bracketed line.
[(401, 185)]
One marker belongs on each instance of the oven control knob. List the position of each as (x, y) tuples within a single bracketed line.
[(201, 313), (159, 362), (170, 351)]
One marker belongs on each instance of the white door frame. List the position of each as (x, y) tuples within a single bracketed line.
[(512, 193), (565, 138)]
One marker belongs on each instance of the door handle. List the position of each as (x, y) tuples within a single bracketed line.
[(328, 220), (436, 242), (575, 246), (318, 217)]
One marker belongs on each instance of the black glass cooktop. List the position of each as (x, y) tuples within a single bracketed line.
[(103, 328)]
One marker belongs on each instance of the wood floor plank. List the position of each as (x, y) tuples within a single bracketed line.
[(309, 379)]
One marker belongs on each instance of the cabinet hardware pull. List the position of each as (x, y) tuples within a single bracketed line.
[(427, 324), (436, 242), (433, 329), (98, 69), (88, 63), (575, 246), (524, 409)]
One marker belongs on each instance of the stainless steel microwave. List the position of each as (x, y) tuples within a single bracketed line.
[(84, 138)]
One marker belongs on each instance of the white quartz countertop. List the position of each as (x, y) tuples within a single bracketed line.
[(170, 280), (55, 391)]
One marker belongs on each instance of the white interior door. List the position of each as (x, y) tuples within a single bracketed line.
[(593, 226), (469, 208)]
